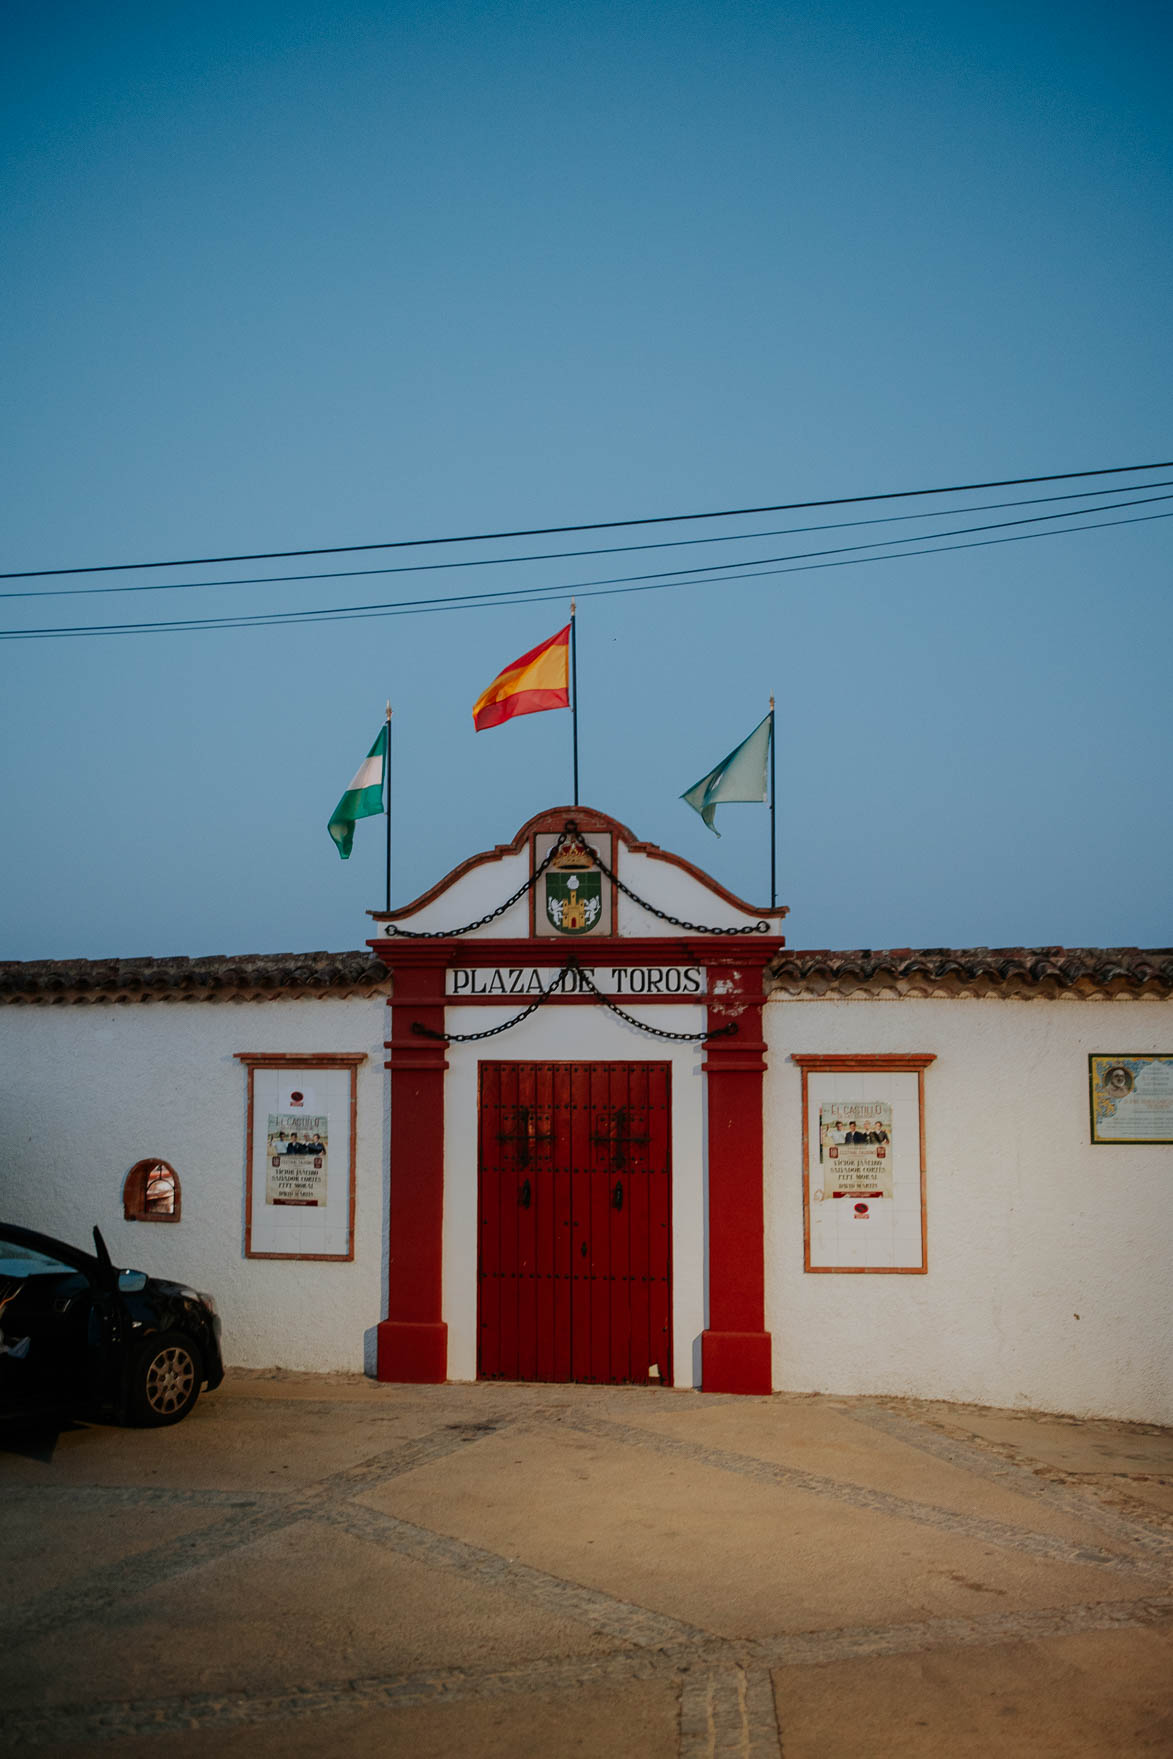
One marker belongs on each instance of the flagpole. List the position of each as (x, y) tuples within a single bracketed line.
[(773, 837), (574, 696), (387, 801)]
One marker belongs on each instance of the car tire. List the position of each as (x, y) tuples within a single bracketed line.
[(165, 1380)]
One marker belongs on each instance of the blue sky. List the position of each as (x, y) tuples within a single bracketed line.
[(289, 276)]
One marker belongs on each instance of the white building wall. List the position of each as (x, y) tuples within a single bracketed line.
[(90, 1089), (1028, 1223), (1048, 1259), (675, 892)]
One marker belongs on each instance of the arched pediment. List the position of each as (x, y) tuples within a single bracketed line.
[(580, 874)]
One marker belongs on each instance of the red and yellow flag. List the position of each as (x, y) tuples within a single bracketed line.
[(539, 680)]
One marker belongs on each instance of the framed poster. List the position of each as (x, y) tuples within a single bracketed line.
[(300, 1154), (1130, 1094), (863, 1163)]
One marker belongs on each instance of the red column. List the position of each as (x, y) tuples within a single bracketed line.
[(735, 1350), (413, 1339)]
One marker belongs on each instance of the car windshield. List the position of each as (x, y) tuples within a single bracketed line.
[(17, 1260)]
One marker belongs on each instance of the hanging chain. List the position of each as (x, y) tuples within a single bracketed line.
[(587, 982), (656, 1031), (759, 927), (444, 934), (492, 1031), (570, 830)]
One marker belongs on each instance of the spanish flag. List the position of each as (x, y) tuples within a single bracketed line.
[(538, 680)]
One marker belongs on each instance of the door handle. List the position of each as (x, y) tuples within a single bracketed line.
[(617, 1195), (524, 1195)]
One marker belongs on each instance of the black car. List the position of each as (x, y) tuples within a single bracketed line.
[(79, 1335)]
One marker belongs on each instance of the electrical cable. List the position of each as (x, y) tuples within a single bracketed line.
[(1010, 482), (733, 537), (540, 595)]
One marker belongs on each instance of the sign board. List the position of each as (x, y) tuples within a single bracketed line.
[(681, 982)]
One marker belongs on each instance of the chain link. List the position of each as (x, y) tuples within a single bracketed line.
[(444, 934), (587, 982), (759, 927), (492, 1031), (656, 1031)]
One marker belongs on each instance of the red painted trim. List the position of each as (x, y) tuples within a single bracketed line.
[(588, 820), (412, 1343), (411, 1353), (738, 953), (521, 999), (896, 1061), (736, 1350), (737, 1362), (300, 1059)]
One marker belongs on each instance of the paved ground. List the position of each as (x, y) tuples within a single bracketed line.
[(319, 1565)]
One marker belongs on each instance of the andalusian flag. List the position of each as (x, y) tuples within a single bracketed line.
[(538, 680), (363, 798), (740, 776)]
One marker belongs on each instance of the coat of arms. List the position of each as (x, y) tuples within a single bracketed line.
[(573, 890)]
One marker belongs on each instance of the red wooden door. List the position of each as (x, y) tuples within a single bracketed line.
[(575, 1223)]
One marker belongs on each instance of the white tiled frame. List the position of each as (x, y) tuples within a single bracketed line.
[(893, 1240), (299, 1233)]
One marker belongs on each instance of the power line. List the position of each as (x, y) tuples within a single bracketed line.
[(539, 595), (733, 537), (1010, 482)]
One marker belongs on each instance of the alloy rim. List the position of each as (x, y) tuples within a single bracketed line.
[(170, 1378)]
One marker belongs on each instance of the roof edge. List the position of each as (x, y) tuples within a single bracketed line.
[(255, 976), (808, 974), (588, 819)]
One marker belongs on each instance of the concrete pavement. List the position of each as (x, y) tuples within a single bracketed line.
[(321, 1565)]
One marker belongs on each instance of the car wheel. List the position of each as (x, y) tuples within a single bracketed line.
[(165, 1380)]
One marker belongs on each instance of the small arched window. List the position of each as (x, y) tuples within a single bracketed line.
[(151, 1192)]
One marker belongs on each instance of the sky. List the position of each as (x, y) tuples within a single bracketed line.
[(297, 276)]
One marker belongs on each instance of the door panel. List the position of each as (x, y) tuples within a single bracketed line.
[(574, 1278)]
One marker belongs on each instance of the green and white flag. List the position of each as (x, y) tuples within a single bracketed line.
[(740, 776), (363, 798)]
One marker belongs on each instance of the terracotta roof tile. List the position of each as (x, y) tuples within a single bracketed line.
[(799, 973), (178, 979), (976, 970)]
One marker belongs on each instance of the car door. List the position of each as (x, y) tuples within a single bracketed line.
[(57, 1323)]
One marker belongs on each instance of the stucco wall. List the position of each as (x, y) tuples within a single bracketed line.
[(88, 1090), (1029, 1225)]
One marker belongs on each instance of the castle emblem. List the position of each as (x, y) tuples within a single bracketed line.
[(573, 891)]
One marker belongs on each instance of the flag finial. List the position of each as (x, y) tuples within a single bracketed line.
[(389, 708)]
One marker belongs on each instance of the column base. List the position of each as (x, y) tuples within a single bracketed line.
[(412, 1351), (736, 1362)]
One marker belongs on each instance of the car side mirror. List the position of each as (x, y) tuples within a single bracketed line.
[(131, 1282)]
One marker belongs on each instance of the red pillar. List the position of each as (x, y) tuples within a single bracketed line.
[(413, 1339), (735, 1350)]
